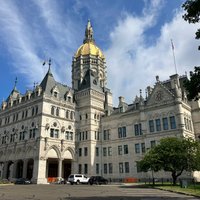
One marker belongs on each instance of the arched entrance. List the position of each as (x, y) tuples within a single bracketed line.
[(30, 169), (52, 167)]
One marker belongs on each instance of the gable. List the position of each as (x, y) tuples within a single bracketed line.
[(160, 95)]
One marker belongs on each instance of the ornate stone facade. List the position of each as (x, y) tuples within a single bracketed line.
[(56, 130)]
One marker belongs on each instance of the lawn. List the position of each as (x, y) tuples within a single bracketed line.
[(192, 189)]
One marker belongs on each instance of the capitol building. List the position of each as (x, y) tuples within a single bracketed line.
[(55, 130)]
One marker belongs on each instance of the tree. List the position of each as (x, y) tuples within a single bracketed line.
[(173, 155), (192, 15), (193, 85)]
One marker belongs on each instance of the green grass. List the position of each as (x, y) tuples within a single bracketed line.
[(192, 189)]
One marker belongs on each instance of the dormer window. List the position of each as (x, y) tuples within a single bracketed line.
[(69, 99), (55, 94)]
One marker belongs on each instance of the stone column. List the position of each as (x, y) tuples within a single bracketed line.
[(39, 171), (60, 168), (25, 162)]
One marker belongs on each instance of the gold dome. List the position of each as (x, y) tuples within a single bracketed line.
[(89, 48)]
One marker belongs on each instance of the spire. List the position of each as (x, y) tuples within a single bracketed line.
[(88, 33), (49, 70), (15, 86)]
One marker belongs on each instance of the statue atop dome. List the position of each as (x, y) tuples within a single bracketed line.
[(88, 33)]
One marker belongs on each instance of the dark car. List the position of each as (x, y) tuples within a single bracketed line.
[(22, 181), (97, 180)]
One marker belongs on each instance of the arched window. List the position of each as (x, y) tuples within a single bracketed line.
[(52, 110)]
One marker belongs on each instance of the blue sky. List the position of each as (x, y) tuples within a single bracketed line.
[(133, 34)]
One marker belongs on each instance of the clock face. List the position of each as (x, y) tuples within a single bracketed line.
[(159, 96)]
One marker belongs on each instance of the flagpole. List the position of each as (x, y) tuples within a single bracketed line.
[(174, 56)]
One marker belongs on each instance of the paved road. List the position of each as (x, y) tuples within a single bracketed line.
[(85, 192)]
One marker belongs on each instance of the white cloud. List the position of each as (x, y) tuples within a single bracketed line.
[(132, 65), (16, 34)]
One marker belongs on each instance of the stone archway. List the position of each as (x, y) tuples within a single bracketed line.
[(52, 164), (67, 162)]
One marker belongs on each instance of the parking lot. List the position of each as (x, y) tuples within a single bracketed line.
[(85, 192)]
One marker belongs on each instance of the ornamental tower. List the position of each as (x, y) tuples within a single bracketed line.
[(92, 99)]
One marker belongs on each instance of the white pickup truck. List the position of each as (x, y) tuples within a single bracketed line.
[(78, 178)]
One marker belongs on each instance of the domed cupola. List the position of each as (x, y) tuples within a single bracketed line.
[(88, 57)]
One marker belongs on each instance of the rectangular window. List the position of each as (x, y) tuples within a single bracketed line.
[(86, 135), (165, 124), (122, 132), (158, 125), (126, 149), (67, 135), (105, 168), (119, 150), (85, 151), (96, 135), (143, 147), (83, 135), (109, 151), (137, 148), (80, 136), (126, 167), (119, 132), (97, 168), (54, 133), (97, 151), (104, 135), (104, 151), (138, 129), (172, 122), (110, 168), (153, 143), (79, 168), (85, 168), (151, 126), (80, 152), (121, 170)]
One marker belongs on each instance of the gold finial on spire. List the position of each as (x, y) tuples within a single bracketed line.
[(88, 33)]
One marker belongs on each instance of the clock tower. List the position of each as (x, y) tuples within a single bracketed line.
[(93, 100)]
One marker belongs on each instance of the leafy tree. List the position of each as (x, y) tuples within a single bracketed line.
[(192, 15), (173, 155), (193, 85)]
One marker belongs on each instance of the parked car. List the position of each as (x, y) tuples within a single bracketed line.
[(97, 180), (23, 181), (77, 178)]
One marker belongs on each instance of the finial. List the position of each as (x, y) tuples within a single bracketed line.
[(49, 63), (88, 33), (140, 92), (157, 78)]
